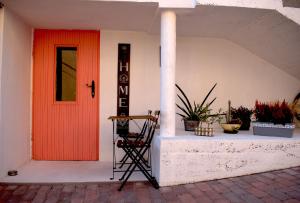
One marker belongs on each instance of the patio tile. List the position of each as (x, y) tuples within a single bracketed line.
[(257, 193), (220, 188), (196, 192), (213, 195), (270, 200), (204, 199), (221, 201), (204, 186), (292, 201), (20, 190), (233, 197), (275, 186), (251, 198), (41, 194), (30, 194), (187, 198)]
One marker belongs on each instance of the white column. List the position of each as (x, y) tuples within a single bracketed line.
[(167, 73)]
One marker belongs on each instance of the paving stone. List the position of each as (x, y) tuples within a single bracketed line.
[(278, 194), (251, 198), (221, 201), (142, 195), (189, 186), (5, 195), (79, 194), (30, 194), (187, 198), (232, 197), (220, 188), (68, 188), (291, 171), (292, 201), (165, 189), (20, 190), (270, 200), (196, 192), (294, 194), (92, 193), (203, 186), (154, 193), (41, 194), (204, 199), (226, 182), (286, 176), (243, 184), (169, 196), (54, 194), (11, 187), (285, 182), (257, 193), (259, 185), (179, 189), (269, 175), (275, 186), (237, 190)]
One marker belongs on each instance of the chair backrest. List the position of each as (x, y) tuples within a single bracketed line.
[(146, 124), (151, 130)]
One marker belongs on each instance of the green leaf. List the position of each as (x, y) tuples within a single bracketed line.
[(184, 103), (183, 110), (183, 94), (208, 94)]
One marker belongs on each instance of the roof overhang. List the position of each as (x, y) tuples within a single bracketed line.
[(264, 32)]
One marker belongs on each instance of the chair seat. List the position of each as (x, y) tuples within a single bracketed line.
[(130, 143), (133, 135)]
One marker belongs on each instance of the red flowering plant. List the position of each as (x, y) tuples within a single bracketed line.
[(277, 112)]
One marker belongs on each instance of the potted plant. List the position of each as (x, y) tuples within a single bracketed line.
[(232, 125), (193, 114), (244, 114), (296, 110), (273, 119)]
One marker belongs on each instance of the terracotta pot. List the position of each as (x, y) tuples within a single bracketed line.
[(190, 125)]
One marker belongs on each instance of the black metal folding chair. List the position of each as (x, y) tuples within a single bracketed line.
[(135, 137), (135, 150)]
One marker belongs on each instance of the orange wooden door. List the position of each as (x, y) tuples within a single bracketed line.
[(65, 115)]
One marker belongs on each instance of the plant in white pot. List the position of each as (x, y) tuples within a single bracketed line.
[(273, 119), (193, 114)]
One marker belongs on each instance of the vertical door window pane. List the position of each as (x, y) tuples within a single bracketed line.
[(66, 68)]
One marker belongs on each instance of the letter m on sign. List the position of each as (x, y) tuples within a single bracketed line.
[(123, 86)]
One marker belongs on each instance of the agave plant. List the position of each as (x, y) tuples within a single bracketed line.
[(195, 112)]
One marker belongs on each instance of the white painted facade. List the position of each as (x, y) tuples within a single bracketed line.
[(242, 77), (2, 171), (15, 92)]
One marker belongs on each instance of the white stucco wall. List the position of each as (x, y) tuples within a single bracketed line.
[(242, 77), (187, 159), (291, 13), (1, 137), (15, 93)]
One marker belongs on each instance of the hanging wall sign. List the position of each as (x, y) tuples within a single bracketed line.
[(123, 86)]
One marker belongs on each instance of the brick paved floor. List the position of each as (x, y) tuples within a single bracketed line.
[(276, 186)]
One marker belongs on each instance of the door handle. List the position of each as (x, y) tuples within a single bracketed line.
[(92, 86)]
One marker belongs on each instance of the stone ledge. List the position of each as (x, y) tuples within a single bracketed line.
[(188, 158)]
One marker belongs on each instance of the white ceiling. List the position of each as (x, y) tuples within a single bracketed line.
[(265, 33)]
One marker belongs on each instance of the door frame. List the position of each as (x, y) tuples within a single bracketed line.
[(97, 86)]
